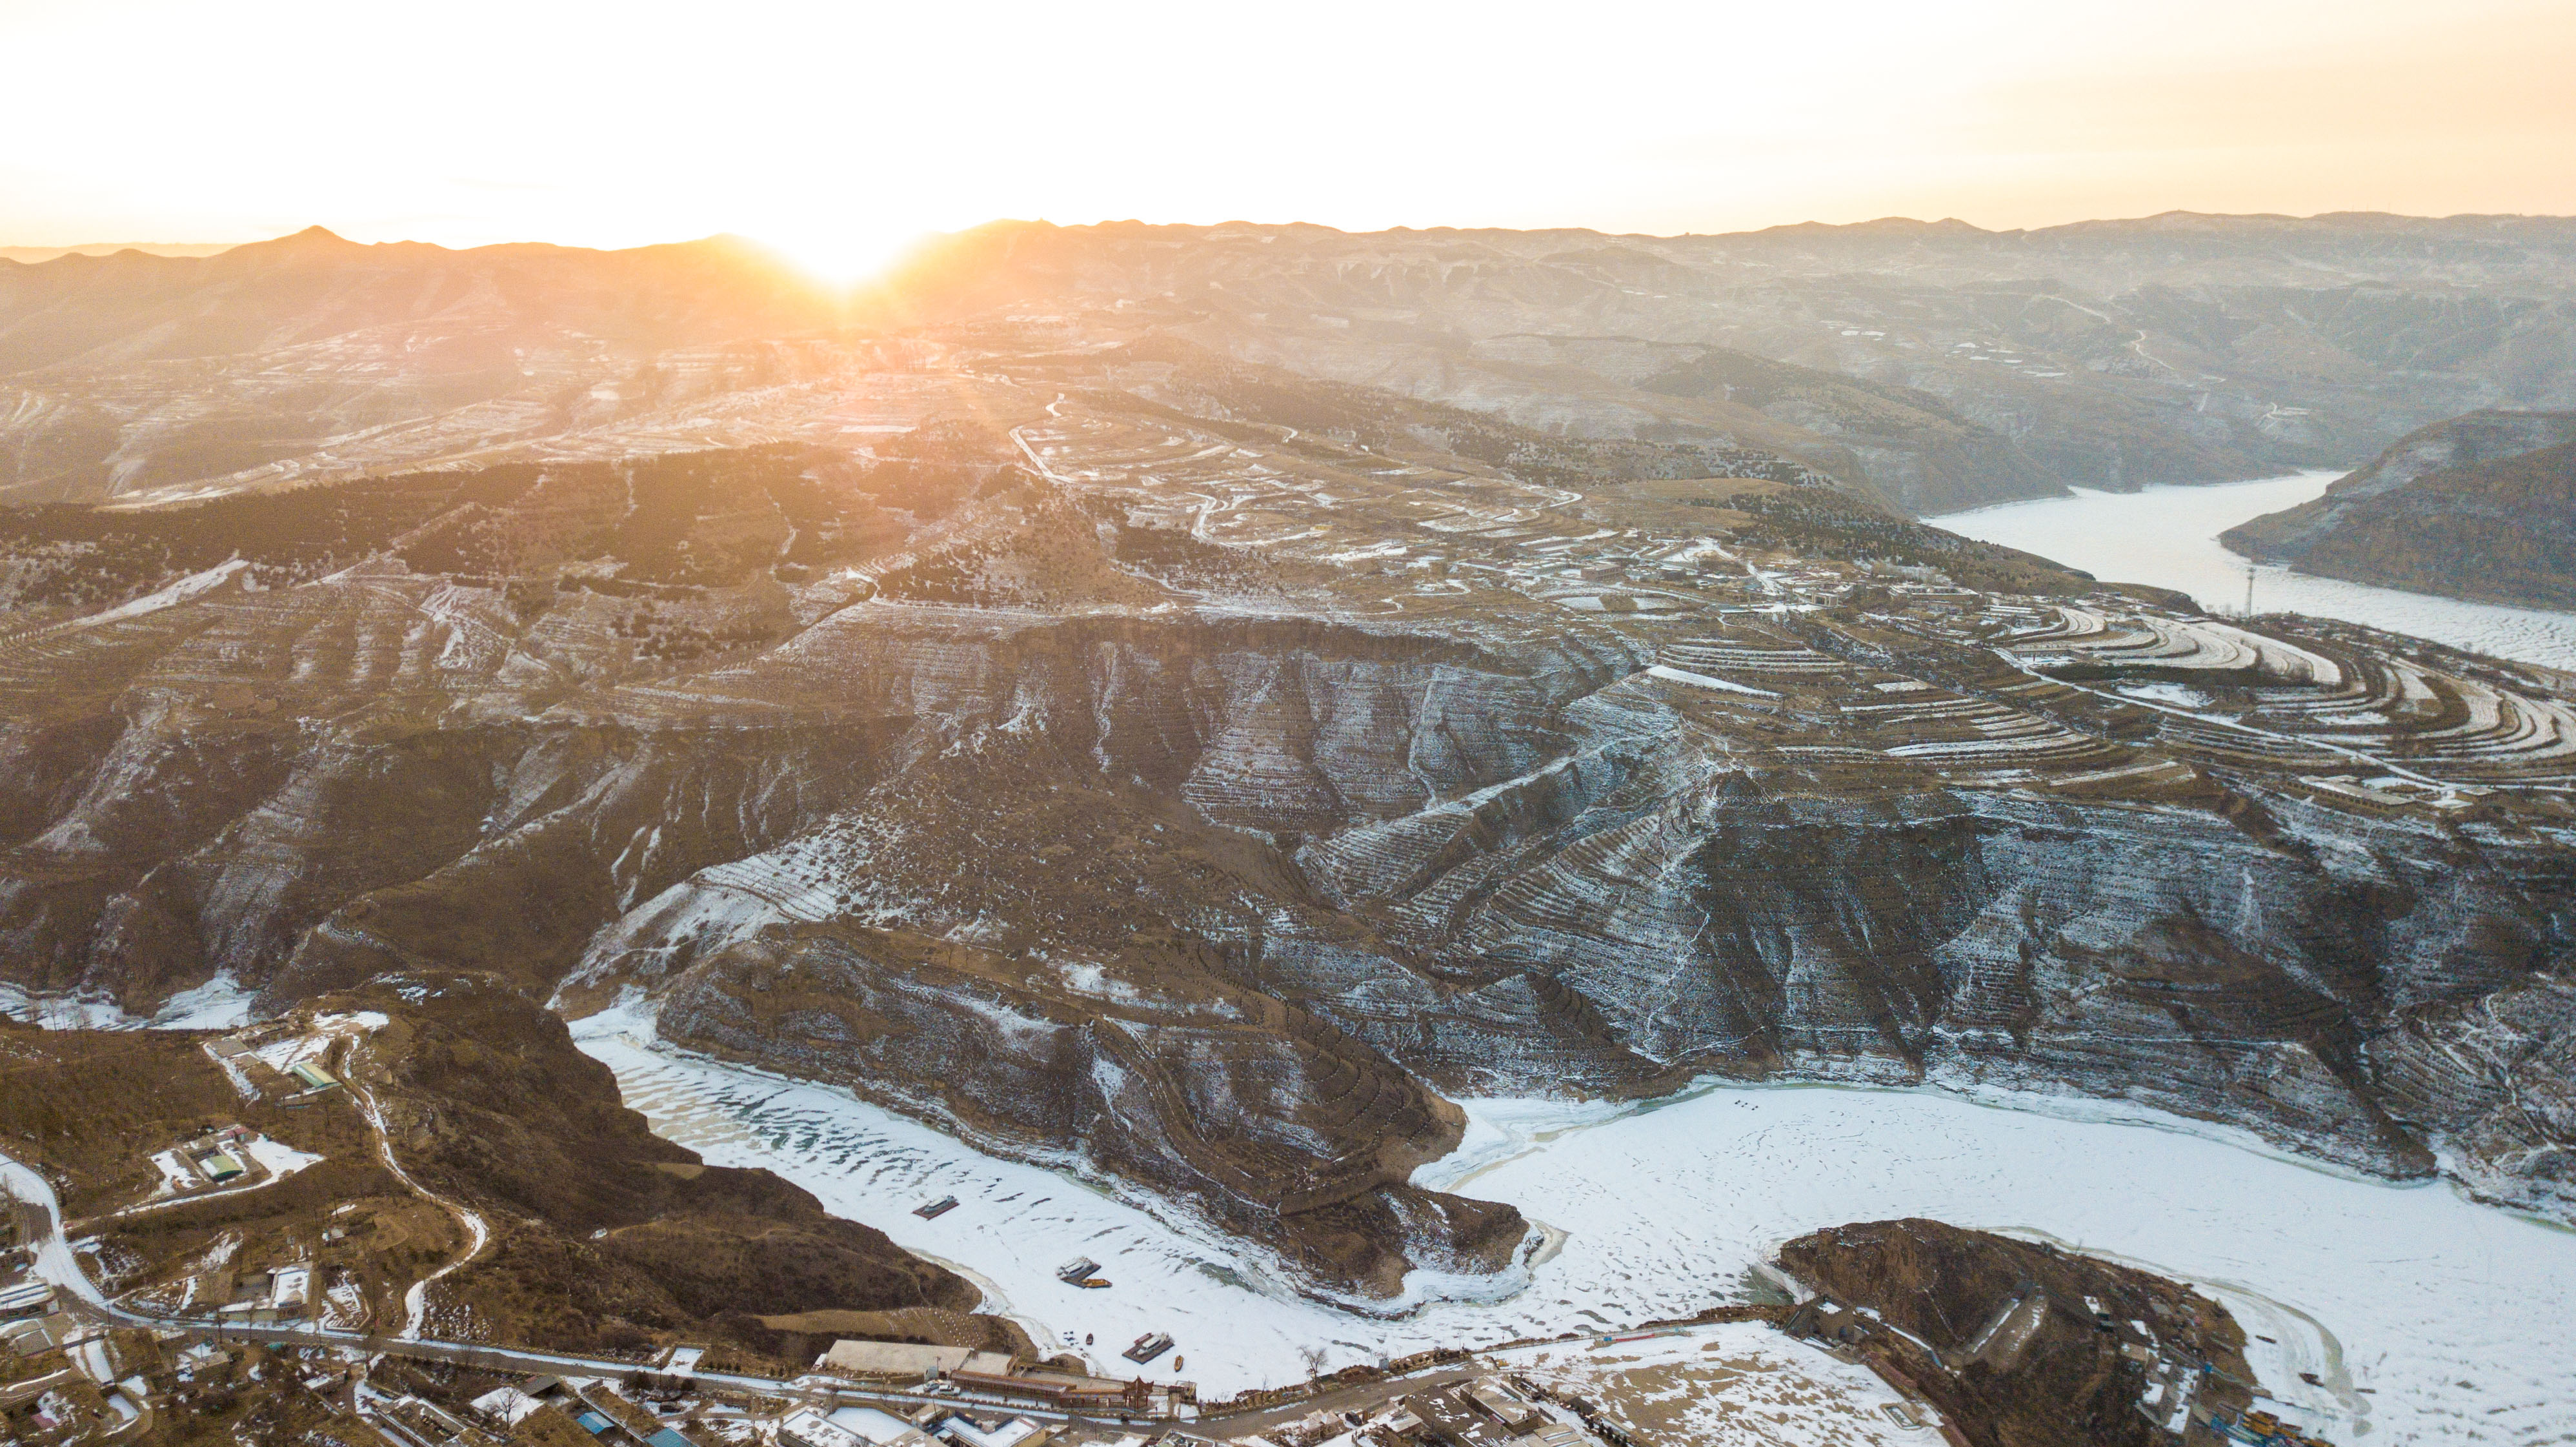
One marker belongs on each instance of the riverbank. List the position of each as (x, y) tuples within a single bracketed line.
[(2168, 537)]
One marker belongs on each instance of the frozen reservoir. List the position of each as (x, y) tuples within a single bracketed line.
[(2425, 1317)]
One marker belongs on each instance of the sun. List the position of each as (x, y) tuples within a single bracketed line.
[(843, 254)]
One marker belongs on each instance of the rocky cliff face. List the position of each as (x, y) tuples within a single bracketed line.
[(2476, 507), (1197, 797)]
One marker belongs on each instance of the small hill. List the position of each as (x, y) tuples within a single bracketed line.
[(2020, 1344), (2478, 507)]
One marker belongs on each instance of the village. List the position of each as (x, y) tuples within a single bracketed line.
[(301, 1325), (79, 1368)]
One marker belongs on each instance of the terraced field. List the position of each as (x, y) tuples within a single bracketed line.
[(1206, 775)]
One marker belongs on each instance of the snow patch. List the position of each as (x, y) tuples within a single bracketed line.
[(281, 1159), (191, 586), (1702, 680)]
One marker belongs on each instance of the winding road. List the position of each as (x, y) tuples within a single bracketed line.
[(55, 1263)]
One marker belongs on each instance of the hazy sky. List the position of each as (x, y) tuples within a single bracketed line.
[(838, 130)]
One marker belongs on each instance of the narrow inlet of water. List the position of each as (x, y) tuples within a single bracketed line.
[(2168, 537)]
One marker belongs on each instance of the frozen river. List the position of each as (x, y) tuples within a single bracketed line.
[(2168, 536), (2426, 1317)]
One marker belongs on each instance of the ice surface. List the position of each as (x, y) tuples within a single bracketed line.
[(63, 1011), (2446, 1309), (218, 1004), (2168, 536), (2409, 1290)]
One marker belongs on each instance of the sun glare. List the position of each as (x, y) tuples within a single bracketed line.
[(842, 256)]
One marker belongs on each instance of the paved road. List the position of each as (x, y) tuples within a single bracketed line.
[(54, 1261), (57, 1264)]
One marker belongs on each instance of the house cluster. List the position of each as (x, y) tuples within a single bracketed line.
[(219, 1158), (589, 1405), (930, 1425), (257, 1297), (999, 1379), (31, 1319), (39, 1382), (2174, 1376), (2174, 1398), (663, 1410), (2259, 1429), (61, 1380), (273, 1060), (1485, 1412)]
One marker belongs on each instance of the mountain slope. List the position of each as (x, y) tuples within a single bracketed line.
[(2024, 1345), (605, 1235), (595, 1233), (2477, 507), (2493, 532), (2109, 354), (1193, 774)]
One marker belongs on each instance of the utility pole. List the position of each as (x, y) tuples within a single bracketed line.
[(2249, 590)]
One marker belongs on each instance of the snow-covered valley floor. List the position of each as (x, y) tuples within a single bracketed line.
[(2428, 1318)]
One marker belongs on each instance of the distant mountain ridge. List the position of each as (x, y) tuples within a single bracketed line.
[(124, 374), (1928, 365), (314, 285), (2481, 507), (2178, 348), (29, 255)]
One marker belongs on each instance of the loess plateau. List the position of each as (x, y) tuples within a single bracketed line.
[(1200, 774)]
